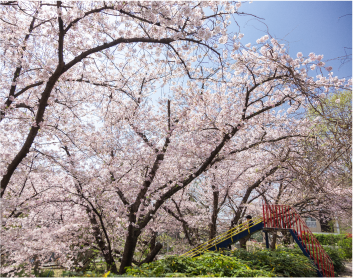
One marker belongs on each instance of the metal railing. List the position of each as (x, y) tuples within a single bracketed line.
[(222, 237), (285, 217)]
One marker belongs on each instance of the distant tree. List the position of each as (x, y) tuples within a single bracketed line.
[(325, 163)]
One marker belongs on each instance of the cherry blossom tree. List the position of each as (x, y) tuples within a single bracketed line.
[(90, 159)]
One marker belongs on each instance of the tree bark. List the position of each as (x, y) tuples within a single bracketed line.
[(325, 226), (213, 224), (129, 248), (106, 252), (153, 241), (36, 265), (247, 195), (150, 257), (274, 240), (286, 237)]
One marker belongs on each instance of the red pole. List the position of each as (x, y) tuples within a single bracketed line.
[(276, 221), (299, 232), (268, 214), (300, 225), (325, 266), (268, 209), (304, 241), (263, 214), (309, 246), (278, 216), (322, 263), (281, 219), (272, 216), (312, 245), (268, 217), (316, 254), (286, 208), (290, 216)]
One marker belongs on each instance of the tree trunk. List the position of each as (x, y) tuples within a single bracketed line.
[(86, 258), (274, 240), (153, 241), (213, 224), (111, 266), (325, 226), (106, 251), (36, 265), (286, 237), (150, 257), (129, 249)]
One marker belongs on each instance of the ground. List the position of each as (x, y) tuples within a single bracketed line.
[(348, 270)]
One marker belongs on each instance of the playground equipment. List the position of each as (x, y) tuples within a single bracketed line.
[(275, 218)]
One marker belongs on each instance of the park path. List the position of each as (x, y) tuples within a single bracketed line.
[(348, 271)]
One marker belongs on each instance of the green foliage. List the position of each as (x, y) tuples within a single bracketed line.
[(45, 273), (334, 107), (342, 241), (88, 274), (256, 237), (207, 265), (282, 261), (336, 259), (334, 254), (72, 273), (346, 247), (329, 239)]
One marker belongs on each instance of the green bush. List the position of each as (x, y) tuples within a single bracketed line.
[(207, 265), (336, 259), (282, 261), (88, 274), (344, 242), (45, 273), (334, 254), (346, 247), (329, 239)]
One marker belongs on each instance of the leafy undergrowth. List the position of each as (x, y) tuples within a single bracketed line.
[(335, 255), (207, 265), (238, 263), (336, 258), (283, 261)]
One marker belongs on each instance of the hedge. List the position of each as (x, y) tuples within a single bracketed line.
[(329, 239)]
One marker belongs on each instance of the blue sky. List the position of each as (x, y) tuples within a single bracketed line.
[(322, 27)]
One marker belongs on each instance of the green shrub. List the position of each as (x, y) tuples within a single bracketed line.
[(336, 259), (282, 261), (329, 239), (334, 254), (88, 274), (207, 265), (46, 273), (346, 247)]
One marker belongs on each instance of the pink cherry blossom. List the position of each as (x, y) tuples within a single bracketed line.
[(121, 121)]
